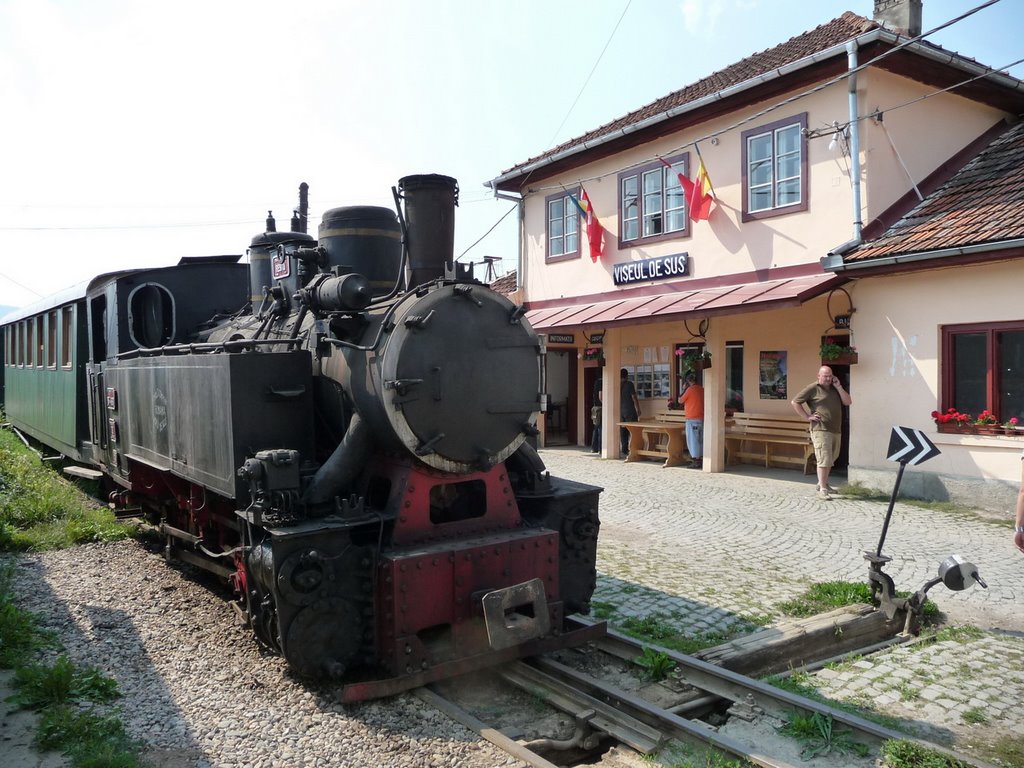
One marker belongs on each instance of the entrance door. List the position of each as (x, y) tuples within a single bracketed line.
[(557, 377), (843, 459), (592, 372)]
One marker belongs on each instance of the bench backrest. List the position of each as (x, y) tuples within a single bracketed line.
[(677, 417), (761, 423)]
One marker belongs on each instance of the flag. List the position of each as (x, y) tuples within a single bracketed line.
[(700, 195), (595, 232)]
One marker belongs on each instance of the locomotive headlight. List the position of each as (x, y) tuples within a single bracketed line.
[(345, 293)]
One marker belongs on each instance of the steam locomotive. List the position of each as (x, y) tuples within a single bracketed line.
[(341, 428)]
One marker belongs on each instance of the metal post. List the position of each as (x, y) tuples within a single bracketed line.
[(892, 503)]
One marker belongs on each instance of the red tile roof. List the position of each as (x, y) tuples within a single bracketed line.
[(505, 284), (982, 203), (821, 38)]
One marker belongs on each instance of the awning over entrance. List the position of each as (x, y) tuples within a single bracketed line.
[(705, 302)]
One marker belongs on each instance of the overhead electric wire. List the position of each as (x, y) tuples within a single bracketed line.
[(809, 92), (485, 234), (23, 287), (592, 69)]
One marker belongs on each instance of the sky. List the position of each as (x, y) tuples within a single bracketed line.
[(134, 133)]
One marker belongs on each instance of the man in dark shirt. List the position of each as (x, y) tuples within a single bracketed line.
[(629, 408), (824, 399), (596, 403)]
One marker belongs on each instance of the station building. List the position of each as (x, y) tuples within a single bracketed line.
[(839, 164)]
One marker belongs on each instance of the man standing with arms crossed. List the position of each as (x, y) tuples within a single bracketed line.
[(824, 400)]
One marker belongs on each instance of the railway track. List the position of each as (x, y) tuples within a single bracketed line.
[(604, 711)]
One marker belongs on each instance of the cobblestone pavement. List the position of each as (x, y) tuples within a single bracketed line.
[(706, 551)]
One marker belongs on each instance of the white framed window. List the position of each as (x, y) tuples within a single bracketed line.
[(563, 224), (652, 205), (775, 168)]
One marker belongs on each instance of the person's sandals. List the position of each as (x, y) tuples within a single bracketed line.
[(824, 495)]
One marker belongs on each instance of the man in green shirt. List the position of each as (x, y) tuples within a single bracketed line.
[(824, 401)]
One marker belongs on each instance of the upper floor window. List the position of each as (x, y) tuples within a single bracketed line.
[(983, 369), (775, 168), (652, 205), (563, 227)]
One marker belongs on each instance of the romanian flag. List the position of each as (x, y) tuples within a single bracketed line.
[(595, 232), (700, 195)]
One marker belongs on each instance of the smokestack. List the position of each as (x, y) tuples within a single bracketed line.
[(304, 204), (430, 201), (900, 16)]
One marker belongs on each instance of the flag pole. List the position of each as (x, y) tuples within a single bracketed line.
[(696, 147)]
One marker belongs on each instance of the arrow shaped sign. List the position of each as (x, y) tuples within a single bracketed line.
[(910, 446)]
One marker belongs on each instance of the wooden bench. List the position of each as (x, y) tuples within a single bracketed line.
[(660, 438), (749, 429)]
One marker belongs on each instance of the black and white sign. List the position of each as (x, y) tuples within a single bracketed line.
[(910, 446), (661, 268), (561, 338)]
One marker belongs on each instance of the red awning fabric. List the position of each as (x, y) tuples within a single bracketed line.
[(722, 300)]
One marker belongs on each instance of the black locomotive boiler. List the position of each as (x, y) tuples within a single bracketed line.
[(340, 429)]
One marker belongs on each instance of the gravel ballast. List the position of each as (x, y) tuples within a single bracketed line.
[(197, 691)]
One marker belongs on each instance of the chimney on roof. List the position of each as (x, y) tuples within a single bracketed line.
[(900, 16)]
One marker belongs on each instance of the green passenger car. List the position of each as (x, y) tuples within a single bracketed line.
[(44, 359)]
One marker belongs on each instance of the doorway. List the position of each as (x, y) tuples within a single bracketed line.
[(559, 364)]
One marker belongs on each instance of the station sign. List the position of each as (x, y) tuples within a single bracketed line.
[(660, 268), (561, 338)]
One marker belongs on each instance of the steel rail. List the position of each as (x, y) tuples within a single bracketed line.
[(667, 722), (496, 737), (775, 701)]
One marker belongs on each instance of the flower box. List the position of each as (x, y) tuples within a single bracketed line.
[(847, 358), (952, 428)]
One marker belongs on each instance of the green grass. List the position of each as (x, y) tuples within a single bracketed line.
[(39, 510), (64, 696), (961, 633), (656, 664), (91, 740), (654, 628), (799, 683), (20, 634), (688, 756), (40, 685), (819, 736), (861, 493), (908, 754), (826, 596)]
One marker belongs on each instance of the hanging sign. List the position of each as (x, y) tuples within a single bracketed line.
[(660, 268), (841, 321)]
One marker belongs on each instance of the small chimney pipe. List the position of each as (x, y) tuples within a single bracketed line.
[(900, 16)]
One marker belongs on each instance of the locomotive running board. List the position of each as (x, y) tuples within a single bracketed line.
[(375, 689)]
